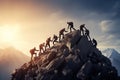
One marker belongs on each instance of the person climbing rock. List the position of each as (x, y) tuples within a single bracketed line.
[(94, 42), (87, 33), (71, 26), (48, 42), (32, 51), (82, 29), (55, 38), (41, 48), (61, 33)]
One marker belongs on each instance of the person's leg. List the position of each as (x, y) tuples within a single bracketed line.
[(59, 37), (31, 56), (35, 54), (53, 42), (49, 45), (45, 47), (70, 29), (40, 50), (83, 32), (63, 36), (73, 28), (80, 32)]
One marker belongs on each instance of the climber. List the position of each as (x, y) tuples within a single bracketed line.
[(61, 33), (70, 25), (87, 33), (82, 28), (94, 42), (55, 38), (32, 51), (48, 42), (41, 48)]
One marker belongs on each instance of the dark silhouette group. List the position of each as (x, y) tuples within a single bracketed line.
[(44, 46)]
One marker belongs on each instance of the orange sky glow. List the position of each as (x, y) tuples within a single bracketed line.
[(25, 25)]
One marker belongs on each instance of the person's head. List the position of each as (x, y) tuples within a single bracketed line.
[(64, 29), (93, 39), (43, 43), (83, 24), (69, 22), (34, 48), (54, 35)]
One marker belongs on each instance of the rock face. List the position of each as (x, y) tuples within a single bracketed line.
[(74, 58)]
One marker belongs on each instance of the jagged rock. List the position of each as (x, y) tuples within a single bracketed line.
[(51, 55), (66, 52), (85, 71), (55, 63), (73, 38), (74, 58)]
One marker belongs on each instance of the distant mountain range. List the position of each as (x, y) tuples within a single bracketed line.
[(10, 59), (114, 56)]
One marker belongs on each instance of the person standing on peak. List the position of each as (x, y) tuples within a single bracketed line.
[(71, 26)]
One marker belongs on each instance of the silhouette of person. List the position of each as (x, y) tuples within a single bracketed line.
[(32, 51), (82, 29), (71, 26), (55, 38), (61, 33), (41, 47), (48, 42), (87, 33), (94, 42)]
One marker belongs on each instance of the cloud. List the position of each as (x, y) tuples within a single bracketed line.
[(110, 26)]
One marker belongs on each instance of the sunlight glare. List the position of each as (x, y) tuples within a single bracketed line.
[(8, 33)]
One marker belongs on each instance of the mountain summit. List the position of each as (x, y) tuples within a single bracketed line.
[(75, 57)]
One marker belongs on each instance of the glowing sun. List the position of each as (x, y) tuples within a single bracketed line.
[(8, 33)]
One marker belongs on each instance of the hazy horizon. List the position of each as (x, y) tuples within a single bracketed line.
[(26, 24)]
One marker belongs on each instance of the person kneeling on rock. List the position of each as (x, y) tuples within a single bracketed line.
[(94, 42)]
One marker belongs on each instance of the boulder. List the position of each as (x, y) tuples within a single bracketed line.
[(51, 55)]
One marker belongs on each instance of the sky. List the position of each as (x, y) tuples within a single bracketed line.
[(25, 24)]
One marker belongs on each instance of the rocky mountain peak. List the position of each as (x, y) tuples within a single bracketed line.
[(75, 57)]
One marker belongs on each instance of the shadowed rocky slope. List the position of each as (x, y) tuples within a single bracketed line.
[(73, 58)]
